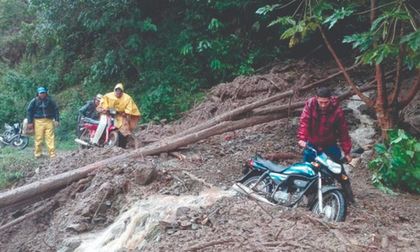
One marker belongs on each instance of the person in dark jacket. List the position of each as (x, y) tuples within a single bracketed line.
[(43, 116), (89, 109), (323, 126)]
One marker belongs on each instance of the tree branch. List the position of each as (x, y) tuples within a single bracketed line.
[(382, 99), (393, 98), (364, 98)]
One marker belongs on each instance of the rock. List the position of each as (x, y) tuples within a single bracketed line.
[(365, 110), (365, 157), (164, 155), (70, 244), (78, 227), (145, 175), (182, 211), (355, 162), (164, 225), (384, 242), (186, 224)]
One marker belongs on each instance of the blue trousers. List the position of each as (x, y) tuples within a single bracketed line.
[(332, 151)]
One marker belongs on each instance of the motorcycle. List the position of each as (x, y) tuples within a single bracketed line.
[(308, 183), (13, 136), (88, 126)]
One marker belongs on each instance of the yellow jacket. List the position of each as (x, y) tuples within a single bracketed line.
[(124, 104)]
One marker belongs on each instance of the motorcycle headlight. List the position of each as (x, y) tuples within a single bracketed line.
[(333, 166)]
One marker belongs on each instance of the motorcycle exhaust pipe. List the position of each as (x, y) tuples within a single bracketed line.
[(81, 142)]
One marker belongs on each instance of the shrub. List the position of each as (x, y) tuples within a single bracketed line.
[(397, 163)]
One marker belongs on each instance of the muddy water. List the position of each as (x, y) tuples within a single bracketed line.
[(140, 224), (364, 134)]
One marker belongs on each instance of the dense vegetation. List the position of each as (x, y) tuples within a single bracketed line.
[(397, 163)]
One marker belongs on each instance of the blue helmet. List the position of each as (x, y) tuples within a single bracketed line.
[(40, 90)]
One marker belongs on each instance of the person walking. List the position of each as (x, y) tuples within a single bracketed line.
[(43, 117)]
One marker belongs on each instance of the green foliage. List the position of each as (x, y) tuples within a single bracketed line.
[(10, 165), (339, 14), (397, 164)]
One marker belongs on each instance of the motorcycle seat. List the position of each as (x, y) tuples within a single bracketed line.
[(90, 120), (269, 164)]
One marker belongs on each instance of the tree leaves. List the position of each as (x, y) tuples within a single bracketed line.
[(338, 14), (397, 164)]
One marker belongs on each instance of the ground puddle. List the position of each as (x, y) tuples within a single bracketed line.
[(140, 224)]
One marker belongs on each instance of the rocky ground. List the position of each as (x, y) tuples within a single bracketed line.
[(85, 209)]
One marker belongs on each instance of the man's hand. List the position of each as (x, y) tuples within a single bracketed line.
[(302, 143), (30, 126), (348, 158)]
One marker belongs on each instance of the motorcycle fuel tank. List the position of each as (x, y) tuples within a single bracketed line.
[(303, 169)]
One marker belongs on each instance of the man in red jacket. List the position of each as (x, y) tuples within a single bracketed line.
[(322, 125)]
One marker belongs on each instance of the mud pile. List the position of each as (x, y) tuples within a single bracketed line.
[(74, 216)]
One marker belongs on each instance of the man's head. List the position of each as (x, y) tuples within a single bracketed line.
[(42, 92), (118, 90), (323, 97), (97, 99)]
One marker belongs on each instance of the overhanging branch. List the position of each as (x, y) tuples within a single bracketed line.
[(353, 86)]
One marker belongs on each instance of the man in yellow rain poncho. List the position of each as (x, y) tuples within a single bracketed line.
[(127, 116)]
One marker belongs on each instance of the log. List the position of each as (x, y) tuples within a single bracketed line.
[(26, 216)]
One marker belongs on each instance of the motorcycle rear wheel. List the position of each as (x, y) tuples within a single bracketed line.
[(334, 206), (20, 142), (85, 136), (262, 187), (113, 139)]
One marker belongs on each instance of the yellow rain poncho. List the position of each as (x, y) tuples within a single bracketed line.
[(128, 113)]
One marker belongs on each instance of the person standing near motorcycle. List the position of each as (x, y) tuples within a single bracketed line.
[(43, 116), (127, 116), (89, 109), (322, 125)]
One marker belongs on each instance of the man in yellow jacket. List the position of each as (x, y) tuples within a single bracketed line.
[(127, 116)]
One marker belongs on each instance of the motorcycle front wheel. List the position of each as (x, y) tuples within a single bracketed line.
[(20, 142), (334, 206)]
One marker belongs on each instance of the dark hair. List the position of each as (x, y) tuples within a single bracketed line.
[(323, 92)]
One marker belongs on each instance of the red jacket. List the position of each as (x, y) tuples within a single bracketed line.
[(324, 129)]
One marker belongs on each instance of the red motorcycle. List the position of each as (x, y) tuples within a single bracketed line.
[(88, 127)]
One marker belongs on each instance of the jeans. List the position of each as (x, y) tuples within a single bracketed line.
[(332, 151)]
